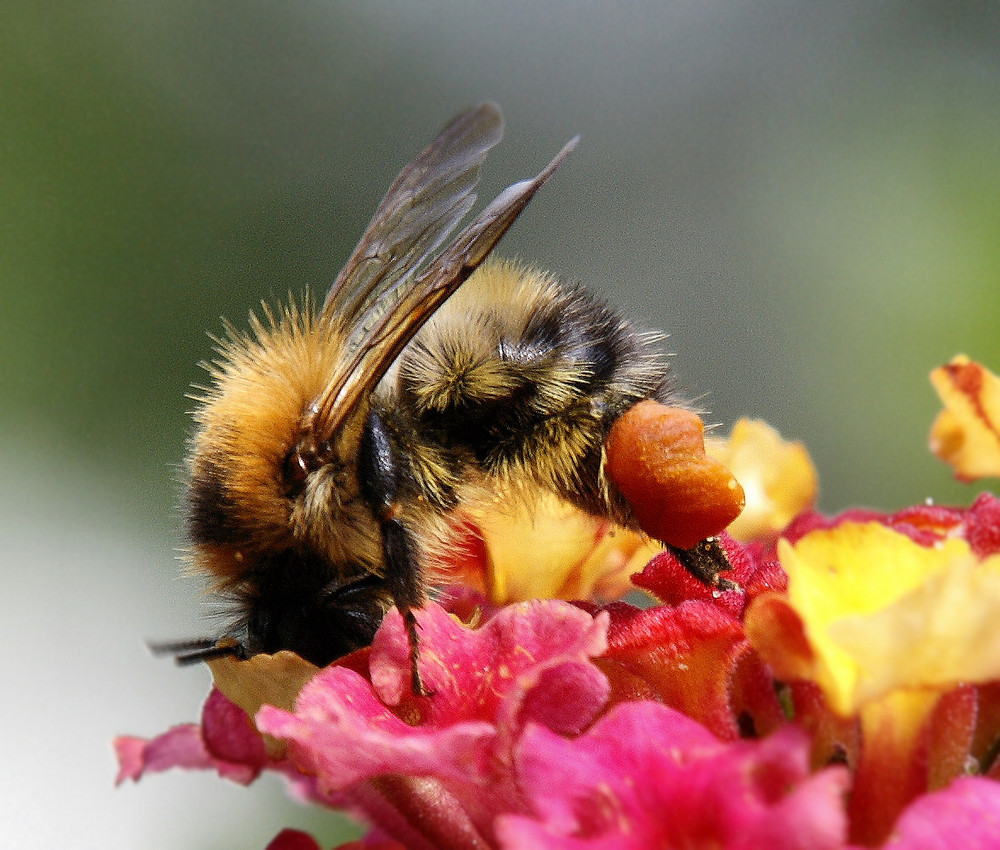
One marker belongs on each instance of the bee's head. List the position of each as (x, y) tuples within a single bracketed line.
[(262, 483)]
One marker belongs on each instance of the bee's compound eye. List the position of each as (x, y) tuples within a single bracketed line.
[(295, 470)]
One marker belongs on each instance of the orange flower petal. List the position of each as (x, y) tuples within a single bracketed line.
[(776, 630), (966, 434)]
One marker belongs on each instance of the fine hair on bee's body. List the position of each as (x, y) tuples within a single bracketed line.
[(514, 385), (334, 444)]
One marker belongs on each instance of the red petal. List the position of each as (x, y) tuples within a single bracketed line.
[(293, 839), (835, 740), (982, 525), (229, 734), (688, 656), (953, 726), (666, 578), (892, 767)]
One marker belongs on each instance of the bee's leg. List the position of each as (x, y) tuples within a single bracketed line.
[(705, 561), (381, 472), (403, 576), (199, 649)]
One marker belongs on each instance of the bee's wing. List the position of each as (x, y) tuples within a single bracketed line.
[(423, 205), (383, 331)]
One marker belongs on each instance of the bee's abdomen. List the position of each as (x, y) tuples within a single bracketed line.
[(526, 376)]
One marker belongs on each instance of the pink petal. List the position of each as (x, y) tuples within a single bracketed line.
[(647, 776), (452, 755), (343, 735), (225, 742), (966, 815), (529, 662), (182, 747)]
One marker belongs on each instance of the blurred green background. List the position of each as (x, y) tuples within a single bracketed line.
[(806, 197)]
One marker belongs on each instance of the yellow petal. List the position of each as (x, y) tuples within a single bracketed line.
[(546, 548), (944, 632), (778, 478), (966, 434), (883, 612)]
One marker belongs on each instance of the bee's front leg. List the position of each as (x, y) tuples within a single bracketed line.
[(381, 473), (705, 561)]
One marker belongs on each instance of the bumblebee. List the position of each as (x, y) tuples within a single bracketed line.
[(336, 441)]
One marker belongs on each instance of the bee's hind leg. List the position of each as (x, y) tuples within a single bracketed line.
[(381, 474)]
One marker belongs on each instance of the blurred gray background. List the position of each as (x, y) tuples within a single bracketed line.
[(806, 196)]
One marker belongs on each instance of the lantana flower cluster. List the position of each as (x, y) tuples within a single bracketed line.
[(842, 689)]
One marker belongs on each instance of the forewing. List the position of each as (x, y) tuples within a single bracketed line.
[(423, 205), (385, 331)]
